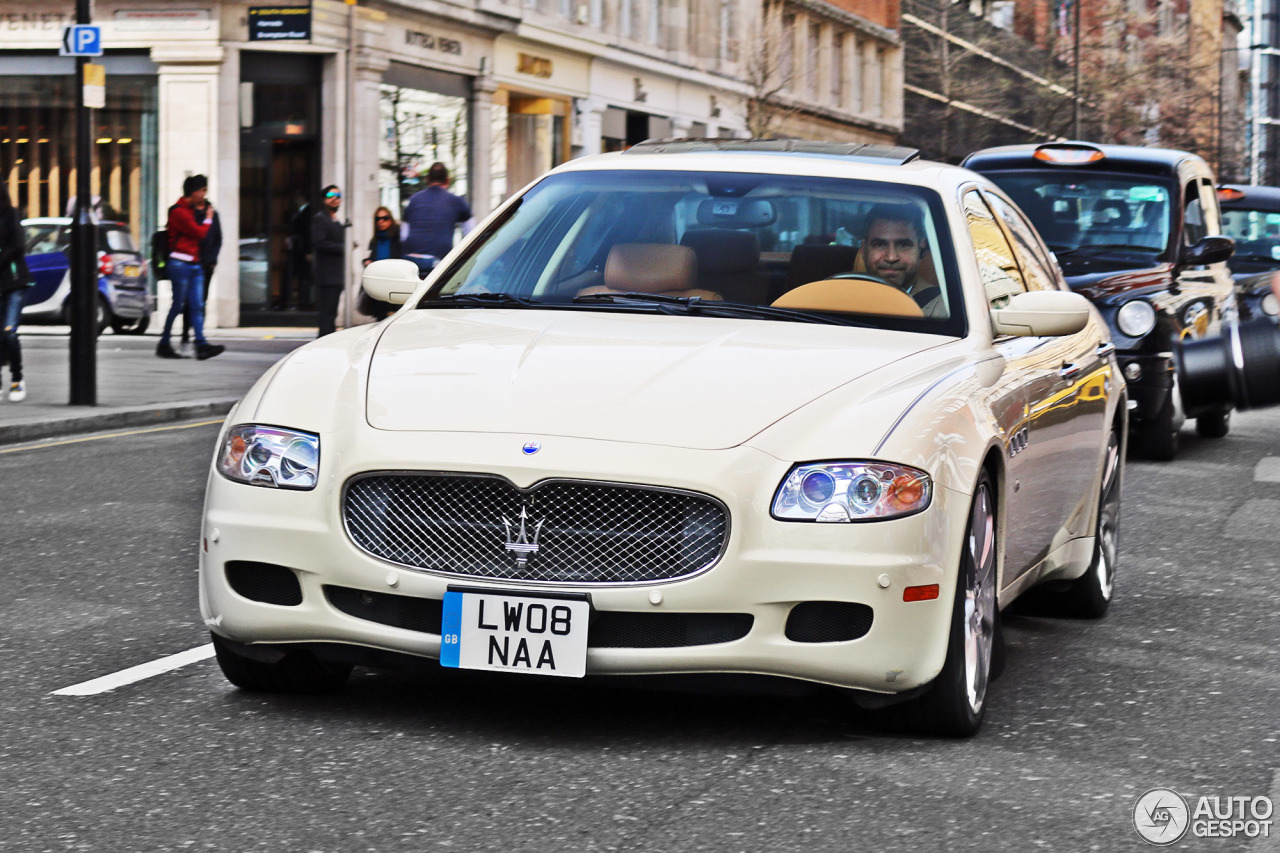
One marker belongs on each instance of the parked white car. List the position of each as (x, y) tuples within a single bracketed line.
[(661, 413)]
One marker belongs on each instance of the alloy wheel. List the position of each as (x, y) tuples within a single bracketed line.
[(980, 599)]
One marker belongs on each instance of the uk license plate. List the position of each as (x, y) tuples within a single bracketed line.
[(132, 270), (513, 632)]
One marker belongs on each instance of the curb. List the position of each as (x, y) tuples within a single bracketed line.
[(137, 416)]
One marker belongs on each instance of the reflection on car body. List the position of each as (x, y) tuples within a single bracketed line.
[(655, 416), (1137, 231)]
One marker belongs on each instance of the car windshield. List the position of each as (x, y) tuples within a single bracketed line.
[(1090, 213), (1256, 232), (116, 238), (762, 246)]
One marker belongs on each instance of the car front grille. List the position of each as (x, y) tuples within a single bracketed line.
[(584, 532)]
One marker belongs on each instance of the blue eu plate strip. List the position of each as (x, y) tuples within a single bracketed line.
[(451, 629)]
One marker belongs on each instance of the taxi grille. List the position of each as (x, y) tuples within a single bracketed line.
[(584, 532)]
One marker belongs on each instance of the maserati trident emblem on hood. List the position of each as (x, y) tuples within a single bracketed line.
[(519, 541)]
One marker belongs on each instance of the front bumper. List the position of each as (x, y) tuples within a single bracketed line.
[(767, 569), (1149, 393)]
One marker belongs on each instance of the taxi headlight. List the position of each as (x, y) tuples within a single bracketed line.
[(851, 491), (1270, 305), (1136, 318), (270, 456)]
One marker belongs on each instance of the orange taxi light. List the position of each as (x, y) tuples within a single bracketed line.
[(906, 491), (1229, 194), (1068, 155), (928, 592)]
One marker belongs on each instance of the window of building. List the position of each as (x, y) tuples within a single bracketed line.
[(787, 53), (837, 69)]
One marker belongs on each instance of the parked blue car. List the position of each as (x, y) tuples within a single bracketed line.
[(124, 302)]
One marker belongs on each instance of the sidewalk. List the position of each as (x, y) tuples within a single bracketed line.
[(134, 387)]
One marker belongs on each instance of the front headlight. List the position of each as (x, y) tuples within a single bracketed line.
[(851, 491), (1270, 306), (270, 456), (1135, 318)]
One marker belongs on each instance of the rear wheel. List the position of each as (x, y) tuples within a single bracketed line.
[(1090, 595), (957, 699), (299, 671), (1214, 424)]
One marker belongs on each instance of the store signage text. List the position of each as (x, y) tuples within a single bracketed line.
[(36, 20), (427, 41), (279, 23), (538, 66)]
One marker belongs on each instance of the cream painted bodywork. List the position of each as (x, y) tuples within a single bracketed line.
[(724, 407)]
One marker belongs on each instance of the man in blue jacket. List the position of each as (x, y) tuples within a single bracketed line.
[(432, 214)]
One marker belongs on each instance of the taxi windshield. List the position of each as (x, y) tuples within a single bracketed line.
[(1256, 232), (762, 246), (1091, 213)]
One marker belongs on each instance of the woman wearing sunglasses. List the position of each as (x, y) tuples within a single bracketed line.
[(384, 244), (328, 244)]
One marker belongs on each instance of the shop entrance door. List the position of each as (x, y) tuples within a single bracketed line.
[(278, 177)]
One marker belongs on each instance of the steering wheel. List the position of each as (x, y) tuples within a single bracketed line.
[(860, 276)]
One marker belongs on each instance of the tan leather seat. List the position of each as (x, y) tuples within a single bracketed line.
[(660, 268), (851, 295)]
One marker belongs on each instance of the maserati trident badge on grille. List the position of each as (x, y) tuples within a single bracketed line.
[(518, 540)]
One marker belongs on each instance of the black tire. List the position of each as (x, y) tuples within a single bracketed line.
[(298, 671), (1158, 438), (130, 327), (103, 318), (1214, 424), (957, 700), (1090, 595)]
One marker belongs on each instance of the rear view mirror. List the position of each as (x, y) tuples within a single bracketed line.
[(1041, 313), (392, 280), (737, 212), (1208, 250)]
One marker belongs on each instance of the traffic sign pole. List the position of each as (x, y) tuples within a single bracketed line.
[(84, 253)]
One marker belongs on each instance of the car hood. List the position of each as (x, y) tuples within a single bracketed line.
[(694, 382)]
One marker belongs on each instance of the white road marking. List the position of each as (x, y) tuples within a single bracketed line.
[(137, 673), (1267, 470)]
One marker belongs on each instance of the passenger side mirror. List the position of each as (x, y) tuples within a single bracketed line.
[(1040, 313), (1209, 250), (392, 280)]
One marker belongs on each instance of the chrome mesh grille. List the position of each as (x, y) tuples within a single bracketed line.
[(590, 532)]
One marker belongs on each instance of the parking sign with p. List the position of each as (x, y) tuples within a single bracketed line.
[(81, 40)]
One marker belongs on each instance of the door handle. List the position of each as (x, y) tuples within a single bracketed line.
[(1106, 350), (1070, 371)]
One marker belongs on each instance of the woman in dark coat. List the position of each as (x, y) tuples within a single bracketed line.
[(13, 284), (384, 244)]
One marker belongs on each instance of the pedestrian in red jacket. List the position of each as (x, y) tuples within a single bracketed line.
[(185, 271)]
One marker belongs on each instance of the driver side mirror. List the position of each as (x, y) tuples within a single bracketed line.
[(1208, 250), (1041, 313), (391, 280)]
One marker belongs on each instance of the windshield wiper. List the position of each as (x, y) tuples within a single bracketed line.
[(480, 300), (711, 307)]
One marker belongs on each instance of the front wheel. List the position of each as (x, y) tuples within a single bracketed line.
[(957, 700), (1089, 596), (1158, 438), (298, 671), (130, 327)]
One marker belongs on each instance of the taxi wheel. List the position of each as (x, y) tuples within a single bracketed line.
[(297, 672), (1214, 424), (957, 700), (1158, 439), (1090, 595)]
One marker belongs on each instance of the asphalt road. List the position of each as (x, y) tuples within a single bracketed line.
[(1179, 687)]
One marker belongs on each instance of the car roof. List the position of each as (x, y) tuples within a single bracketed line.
[(66, 220), (1253, 197), (781, 157), (1119, 158)]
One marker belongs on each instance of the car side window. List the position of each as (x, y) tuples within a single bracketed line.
[(1001, 276), (1037, 272), (1209, 206), (1194, 227)]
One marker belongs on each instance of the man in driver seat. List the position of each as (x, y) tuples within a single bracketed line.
[(893, 249)]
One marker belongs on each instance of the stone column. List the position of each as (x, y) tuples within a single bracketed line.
[(592, 118), (362, 195), (188, 87), (482, 145)]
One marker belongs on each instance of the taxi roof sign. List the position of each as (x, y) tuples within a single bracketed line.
[(1068, 153)]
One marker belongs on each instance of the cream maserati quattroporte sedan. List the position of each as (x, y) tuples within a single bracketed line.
[(807, 410)]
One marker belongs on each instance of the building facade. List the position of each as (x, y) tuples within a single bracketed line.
[(273, 102)]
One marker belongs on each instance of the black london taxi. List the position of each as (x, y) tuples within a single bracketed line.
[(1251, 216), (1137, 231)]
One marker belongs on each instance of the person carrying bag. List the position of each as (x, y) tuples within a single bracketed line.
[(15, 278)]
